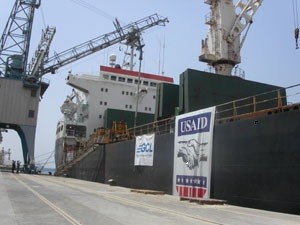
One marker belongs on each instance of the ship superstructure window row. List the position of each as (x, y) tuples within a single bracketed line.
[(103, 103), (104, 90), (129, 80), (127, 93), (128, 106)]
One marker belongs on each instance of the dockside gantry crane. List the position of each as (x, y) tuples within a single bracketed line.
[(221, 48), (21, 83)]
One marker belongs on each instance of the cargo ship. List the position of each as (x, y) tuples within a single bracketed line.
[(95, 99), (255, 145), (255, 161)]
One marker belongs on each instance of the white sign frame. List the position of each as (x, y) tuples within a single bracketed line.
[(193, 153), (144, 150)]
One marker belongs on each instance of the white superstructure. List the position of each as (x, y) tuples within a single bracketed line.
[(84, 110), (115, 88)]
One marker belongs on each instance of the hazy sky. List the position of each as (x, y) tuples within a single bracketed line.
[(268, 55)]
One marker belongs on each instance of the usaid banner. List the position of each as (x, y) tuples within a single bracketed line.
[(192, 153), (144, 150)]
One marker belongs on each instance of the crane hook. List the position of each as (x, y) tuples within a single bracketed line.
[(296, 37)]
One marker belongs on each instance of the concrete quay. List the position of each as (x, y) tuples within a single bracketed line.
[(46, 200)]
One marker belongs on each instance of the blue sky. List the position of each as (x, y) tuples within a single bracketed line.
[(268, 55)]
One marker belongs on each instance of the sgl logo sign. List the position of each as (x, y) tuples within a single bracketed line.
[(144, 150), (144, 147), (194, 124)]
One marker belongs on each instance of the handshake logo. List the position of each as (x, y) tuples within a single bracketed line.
[(192, 152)]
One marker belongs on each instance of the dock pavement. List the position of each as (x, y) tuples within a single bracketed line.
[(48, 200)]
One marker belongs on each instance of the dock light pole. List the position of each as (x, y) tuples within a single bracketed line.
[(140, 49)]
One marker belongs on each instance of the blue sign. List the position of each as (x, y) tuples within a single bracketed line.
[(194, 124)]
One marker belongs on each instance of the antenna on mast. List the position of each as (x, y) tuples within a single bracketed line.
[(163, 58)]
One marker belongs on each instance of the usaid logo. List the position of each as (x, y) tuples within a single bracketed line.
[(145, 147), (194, 124)]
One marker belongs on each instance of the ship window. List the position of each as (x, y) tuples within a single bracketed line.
[(113, 78), (102, 89), (127, 93), (123, 92), (106, 90), (121, 79), (126, 106), (105, 76), (100, 116), (31, 113), (101, 102), (137, 81), (146, 108), (130, 106), (33, 93), (105, 103), (152, 84), (146, 83), (153, 96), (76, 130), (149, 108), (131, 93), (129, 80)]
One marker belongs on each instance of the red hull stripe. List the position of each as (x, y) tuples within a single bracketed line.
[(136, 74)]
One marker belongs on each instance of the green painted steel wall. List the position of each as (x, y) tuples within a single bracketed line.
[(167, 99), (111, 115), (200, 90)]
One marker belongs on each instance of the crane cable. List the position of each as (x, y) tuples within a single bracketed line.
[(43, 17), (93, 8), (296, 24)]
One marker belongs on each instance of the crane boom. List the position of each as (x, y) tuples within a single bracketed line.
[(221, 48), (22, 85), (42, 52), (15, 40), (126, 33), (244, 18)]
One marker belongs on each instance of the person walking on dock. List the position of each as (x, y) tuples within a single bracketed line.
[(13, 167), (18, 166)]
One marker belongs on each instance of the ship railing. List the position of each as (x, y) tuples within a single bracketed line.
[(282, 99), (278, 99), (163, 126)]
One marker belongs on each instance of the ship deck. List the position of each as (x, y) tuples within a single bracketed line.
[(41, 199)]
